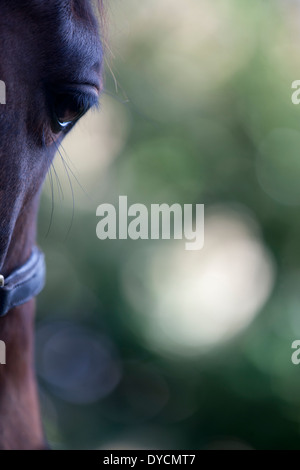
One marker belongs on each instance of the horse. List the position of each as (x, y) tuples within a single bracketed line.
[(51, 62)]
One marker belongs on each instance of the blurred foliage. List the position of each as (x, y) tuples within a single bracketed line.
[(201, 113)]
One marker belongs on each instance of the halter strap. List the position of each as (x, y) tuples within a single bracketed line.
[(23, 283)]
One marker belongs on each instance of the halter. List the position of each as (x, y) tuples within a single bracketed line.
[(23, 283)]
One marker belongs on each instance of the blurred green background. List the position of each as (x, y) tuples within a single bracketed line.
[(141, 344)]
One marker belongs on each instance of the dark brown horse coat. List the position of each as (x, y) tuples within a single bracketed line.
[(50, 62)]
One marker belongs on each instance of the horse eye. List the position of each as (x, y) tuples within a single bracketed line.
[(67, 109)]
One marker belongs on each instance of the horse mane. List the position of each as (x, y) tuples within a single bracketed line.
[(101, 11), (100, 7)]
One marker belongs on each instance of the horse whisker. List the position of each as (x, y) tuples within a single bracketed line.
[(52, 201)]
